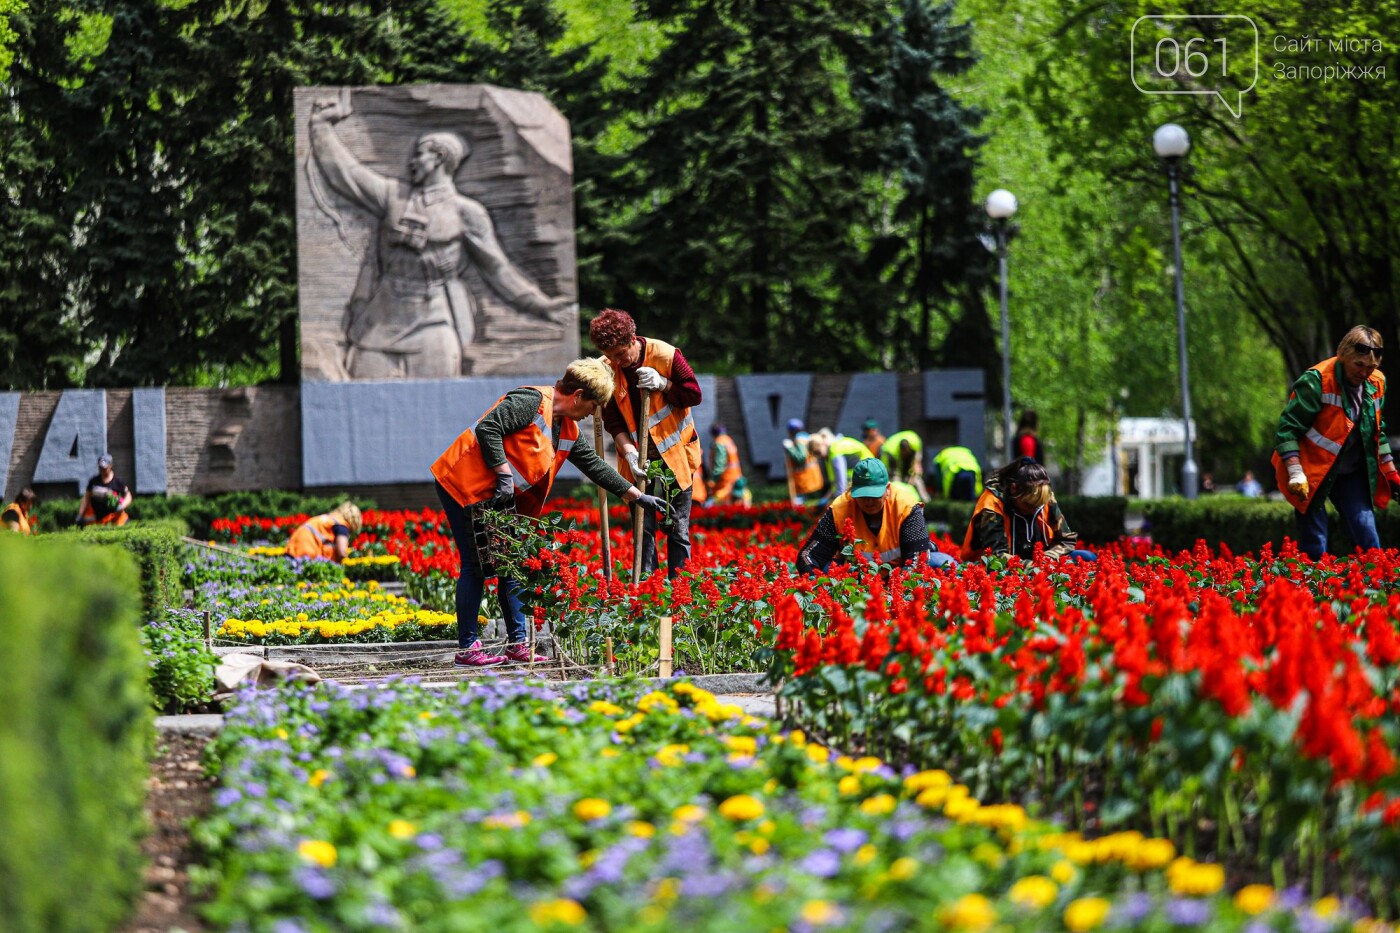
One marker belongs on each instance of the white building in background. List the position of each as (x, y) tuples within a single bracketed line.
[(1143, 460)]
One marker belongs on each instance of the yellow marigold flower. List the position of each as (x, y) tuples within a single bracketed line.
[(683, 688), (932, 798), (641, 829), (657, 699), (1086, 913), (969, 912), (630, 723), (609, 753), (878, 805), (743, 744), (865, 854), (318, 777), (820, 913), (506, 820), (1151, 854), (866, 764), (592, 808), (282, 734), (402, 829), (797, 737), (759, 845), (318, 851), (849, 785), (818, 753), (960, 808), (544, 761), (561, 910), (915, 783), (1326, 906), (671, 755), (1062, 871), (903, 868), (767, 827), (1254, 898), (1188, 877), (688, 813), (1033, 892), (741, 807), (770, 786), (427, 714)]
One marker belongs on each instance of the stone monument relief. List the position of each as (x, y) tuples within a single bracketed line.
[(435, 233)]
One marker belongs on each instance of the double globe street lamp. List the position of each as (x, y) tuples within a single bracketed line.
[(1001, 205), (1172, 143)]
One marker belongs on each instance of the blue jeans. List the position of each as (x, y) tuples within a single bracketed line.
[(1079, 554), (471, 585), (1351, 494)]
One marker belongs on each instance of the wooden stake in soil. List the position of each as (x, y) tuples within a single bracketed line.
[(602, 500), (208, 634), (666, 658), (643, 435), (608, 656)]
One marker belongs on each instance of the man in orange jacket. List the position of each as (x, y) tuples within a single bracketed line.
[(508, 461), (1332, 444)]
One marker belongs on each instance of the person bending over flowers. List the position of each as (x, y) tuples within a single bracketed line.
[(1016, 512), (327, 535), (508, 461), (888, 519)]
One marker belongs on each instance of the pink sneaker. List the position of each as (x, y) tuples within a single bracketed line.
[(521, 653), (475, 657)]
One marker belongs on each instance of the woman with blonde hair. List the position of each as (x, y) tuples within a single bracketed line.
[(507, 461), (327, 535)]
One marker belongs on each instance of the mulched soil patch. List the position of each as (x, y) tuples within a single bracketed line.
[(176, 792)]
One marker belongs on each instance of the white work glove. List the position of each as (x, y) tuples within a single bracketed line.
[(1297, 481), (787, 443), (634, 463), (650, 379)]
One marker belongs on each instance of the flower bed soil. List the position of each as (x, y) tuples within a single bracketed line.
[(177, 791)]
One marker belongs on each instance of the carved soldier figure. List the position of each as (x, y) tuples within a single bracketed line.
[(411, 313)]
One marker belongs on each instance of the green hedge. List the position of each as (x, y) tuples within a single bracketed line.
[(1096, 519), (199, 512), (158, 551), (1246, 524), (74, 736)]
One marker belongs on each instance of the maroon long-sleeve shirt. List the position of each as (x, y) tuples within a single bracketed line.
[(683, 393)]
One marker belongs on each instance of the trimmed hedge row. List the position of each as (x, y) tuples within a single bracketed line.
[(199, 512), (1246, 524), (74, 737), (158, 551)]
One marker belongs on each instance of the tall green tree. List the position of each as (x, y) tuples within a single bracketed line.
[(926, 249), (748, 196)]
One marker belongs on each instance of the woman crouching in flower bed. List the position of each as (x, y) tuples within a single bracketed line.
[(1016, 512), (507, 461)]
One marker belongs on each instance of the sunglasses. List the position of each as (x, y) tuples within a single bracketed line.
[(1362, 348)]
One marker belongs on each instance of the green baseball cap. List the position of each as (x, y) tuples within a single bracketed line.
[(869, 479)]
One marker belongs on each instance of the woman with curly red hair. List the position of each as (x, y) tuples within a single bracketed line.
[(647, 363)]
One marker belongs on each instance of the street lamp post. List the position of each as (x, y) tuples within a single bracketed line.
[(1172, 143), (1001, 205)]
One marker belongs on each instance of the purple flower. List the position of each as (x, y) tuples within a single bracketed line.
[(226, 797), (845, 839), (823, 863), (1186, 912), (1133, 909), (288, 926), (429, 841), (314, 883)]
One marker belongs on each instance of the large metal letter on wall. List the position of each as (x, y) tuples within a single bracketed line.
[(76, 437), (9, 420), (870, 395), (959, 395), (767, 402), (148, 428)]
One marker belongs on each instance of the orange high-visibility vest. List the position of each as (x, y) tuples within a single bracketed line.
[(885, 546), (19, 517), (807, 478), (315, 538), (1318, 449), (672, 431), (989, 501), (533, 459), (724, 486)]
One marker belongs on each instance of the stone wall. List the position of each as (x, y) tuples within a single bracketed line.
[(218, 440)]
